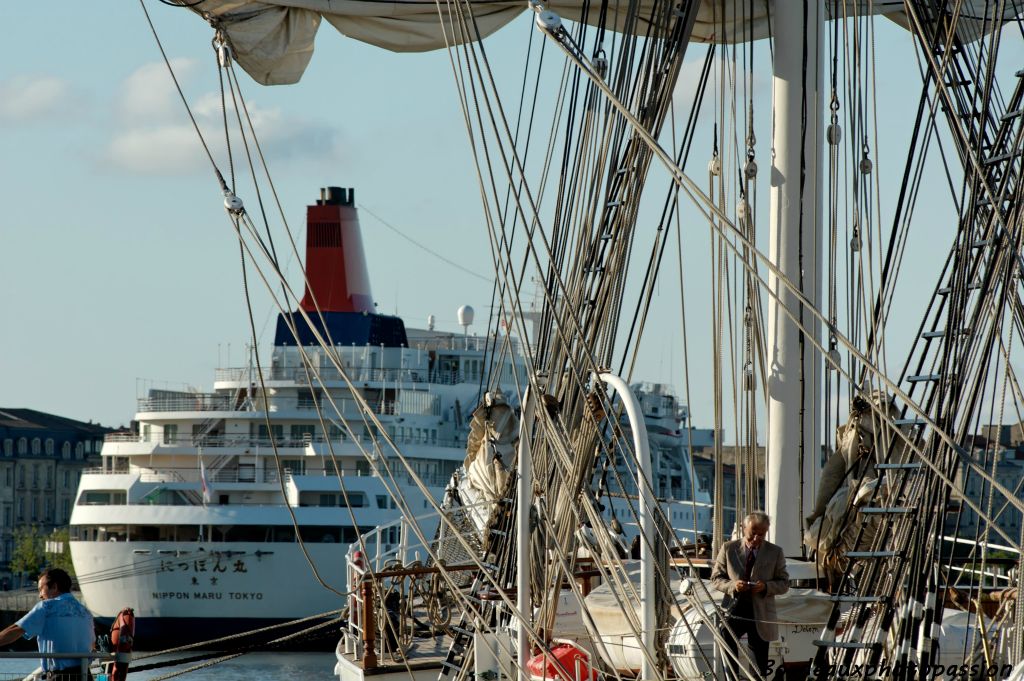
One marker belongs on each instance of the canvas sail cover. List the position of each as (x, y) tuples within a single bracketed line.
[(273, 40)]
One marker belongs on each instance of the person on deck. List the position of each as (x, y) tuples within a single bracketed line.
[(751, 572), (59, 623)]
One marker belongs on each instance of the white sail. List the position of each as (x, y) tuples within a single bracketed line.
[(273, 41)]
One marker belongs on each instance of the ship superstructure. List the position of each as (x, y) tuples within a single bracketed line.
[(196, 515)]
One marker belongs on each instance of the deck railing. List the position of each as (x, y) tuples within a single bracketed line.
[(86, 659)]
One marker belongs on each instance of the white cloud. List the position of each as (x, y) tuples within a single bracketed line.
[(26, 98), (158, 138), (149, 94)]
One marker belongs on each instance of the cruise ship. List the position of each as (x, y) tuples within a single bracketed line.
[(192, 518)]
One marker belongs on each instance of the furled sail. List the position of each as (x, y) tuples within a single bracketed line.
[(273, 41)]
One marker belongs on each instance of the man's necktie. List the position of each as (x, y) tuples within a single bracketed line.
[(750, 564)]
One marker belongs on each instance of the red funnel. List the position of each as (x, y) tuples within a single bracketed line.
[(335, 263)]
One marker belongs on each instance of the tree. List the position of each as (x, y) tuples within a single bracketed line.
[(28, 557), (58, 551)]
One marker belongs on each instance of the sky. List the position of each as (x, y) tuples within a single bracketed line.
[(121, 271)]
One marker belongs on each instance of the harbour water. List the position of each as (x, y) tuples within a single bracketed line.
[(270, 666)]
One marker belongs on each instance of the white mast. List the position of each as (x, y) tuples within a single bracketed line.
[(794, 395)]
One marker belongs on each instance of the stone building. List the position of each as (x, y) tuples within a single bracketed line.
[(42, 457)]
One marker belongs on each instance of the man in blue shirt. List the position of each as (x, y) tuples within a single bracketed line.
[(59, 623)]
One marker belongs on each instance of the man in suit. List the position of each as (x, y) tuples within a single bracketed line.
[(751, 572)]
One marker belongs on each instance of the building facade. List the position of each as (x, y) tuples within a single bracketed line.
[(42, 457)]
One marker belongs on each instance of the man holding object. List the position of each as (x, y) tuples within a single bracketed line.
[(751, 572)]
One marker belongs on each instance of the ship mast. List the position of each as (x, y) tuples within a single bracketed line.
[(795, 247)]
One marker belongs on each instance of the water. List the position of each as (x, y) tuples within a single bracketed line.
[(249, 667)]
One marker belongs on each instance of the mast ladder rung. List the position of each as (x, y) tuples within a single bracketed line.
[(923, 378), (981, 243), (909, 466), (985, 201), (622, 171), (461, 631), (595, 270), (946, 290), (956, 82), (858, 599), (500, 533), (606, 236), (873, 554), (450, 665), (1000, 158), (887, 510), (1010, 115), (941, 333), (852, 645), (909, 422), (613, 204)]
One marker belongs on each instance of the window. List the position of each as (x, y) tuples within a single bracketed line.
[(65, 450), (49, 477), (67, 479), (78, 450), (49, 446), (146, 432), (21, 509), (170, 433), (37, 445), (302, 433), (35, 477), (293, 466), (8, 447), (66, 510), (22, 445), (88, 446), (35, 509), (21, 476), (276, 431), (98, 446), (336, 432), (9, 476)]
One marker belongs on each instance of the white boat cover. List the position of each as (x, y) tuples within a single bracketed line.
[(273, 40)]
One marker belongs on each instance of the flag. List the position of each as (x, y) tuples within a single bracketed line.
[(202, 480)]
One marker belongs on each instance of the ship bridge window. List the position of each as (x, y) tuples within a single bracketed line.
[(103, 498)]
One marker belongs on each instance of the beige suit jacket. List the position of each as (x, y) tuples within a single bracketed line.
[(769, 567)]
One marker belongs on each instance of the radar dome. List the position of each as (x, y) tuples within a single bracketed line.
[(465, 315)]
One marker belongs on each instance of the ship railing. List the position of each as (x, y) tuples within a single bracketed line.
[(86, 659), (255, 444), (373, 627), (190, 402), (193, 475), (330, 373)]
